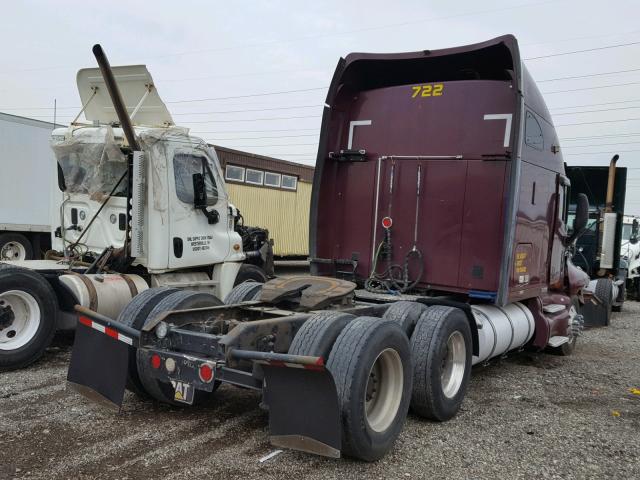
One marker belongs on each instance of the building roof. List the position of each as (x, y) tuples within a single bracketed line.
[(252, 160), (28, 121)]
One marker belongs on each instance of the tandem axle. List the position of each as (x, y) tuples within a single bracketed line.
[(301, 360)]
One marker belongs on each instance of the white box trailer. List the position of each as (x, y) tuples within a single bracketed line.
[(27, 181)]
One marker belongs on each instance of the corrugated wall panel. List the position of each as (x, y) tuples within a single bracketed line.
[(284, 213)]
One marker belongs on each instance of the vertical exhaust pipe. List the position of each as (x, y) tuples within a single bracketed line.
[(116, 97), (608, 206)]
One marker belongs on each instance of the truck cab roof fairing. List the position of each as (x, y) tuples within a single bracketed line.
[(137, 89), (496, 60)]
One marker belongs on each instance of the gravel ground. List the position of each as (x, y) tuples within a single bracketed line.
[(530, 415)]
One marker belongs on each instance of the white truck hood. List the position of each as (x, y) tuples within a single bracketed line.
[(134, 82)]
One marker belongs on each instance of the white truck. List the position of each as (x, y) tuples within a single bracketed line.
[(630, 251), (143, 205), (26, 191)]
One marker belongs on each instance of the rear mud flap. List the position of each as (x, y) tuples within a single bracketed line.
[(304, 413), (98, 368)]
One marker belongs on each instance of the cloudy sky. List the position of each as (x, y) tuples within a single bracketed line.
[(248, 53)]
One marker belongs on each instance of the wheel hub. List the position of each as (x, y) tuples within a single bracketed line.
[(453, 365), (13, 251), (6, 316), (576, 324), (19, 319), (383, 392)]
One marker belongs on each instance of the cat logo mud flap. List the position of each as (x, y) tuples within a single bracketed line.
[(304, 413), (99, 360)]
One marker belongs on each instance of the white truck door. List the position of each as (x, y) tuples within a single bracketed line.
[(193, 240)]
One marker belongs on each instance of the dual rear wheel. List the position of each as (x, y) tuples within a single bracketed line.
[(379, 372), (143, 308)]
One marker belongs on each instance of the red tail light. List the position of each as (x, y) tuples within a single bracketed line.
[(205, 372), (156, 361)]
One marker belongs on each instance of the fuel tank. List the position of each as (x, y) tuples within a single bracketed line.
[(105, 294), (501, 329)]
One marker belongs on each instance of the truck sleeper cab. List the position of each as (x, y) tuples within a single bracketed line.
[(438, 179)]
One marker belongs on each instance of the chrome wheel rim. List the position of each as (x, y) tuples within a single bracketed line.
[(453, 365), (13, 251), (383, 392), (26, 319)]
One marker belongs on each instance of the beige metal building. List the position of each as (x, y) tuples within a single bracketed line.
[(273, 194)]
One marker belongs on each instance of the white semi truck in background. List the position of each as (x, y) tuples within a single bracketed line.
[(630, 251), (142, 203), (27, 165)]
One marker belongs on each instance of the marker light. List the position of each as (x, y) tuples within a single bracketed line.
[(156, 361), (170, 365), (206, 373)]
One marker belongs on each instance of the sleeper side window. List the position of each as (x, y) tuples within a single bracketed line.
[(184, 166), (533, 132)]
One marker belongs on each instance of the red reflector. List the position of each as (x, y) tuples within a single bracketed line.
[(206, 373), (156, 361), (111, 332), (387, 222), (85, 321)]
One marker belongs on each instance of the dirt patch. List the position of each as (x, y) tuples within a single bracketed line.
[(529, 415)]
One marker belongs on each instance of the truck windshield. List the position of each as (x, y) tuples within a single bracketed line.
[(626, 232), (91, 164)]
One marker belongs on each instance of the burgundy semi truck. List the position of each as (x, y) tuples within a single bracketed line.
[(438, 241)]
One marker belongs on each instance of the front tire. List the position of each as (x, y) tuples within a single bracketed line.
[(371, 365), (441, 350), (28, 317), (568, 348)]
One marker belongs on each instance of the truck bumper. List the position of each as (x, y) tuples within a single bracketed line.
[(299, 392)]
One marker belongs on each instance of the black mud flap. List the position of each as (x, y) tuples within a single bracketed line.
[(98, 368), (304, 413)]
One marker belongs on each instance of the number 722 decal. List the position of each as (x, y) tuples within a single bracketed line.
[(429, 90)]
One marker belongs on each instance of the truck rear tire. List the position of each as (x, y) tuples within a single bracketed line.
[(246, 291), (28, 316), (134, 315), (371, 366), (604, 292), (163, 391), (406, 314), (250, 272), (14, 246), (317, 335), (441, 349)]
